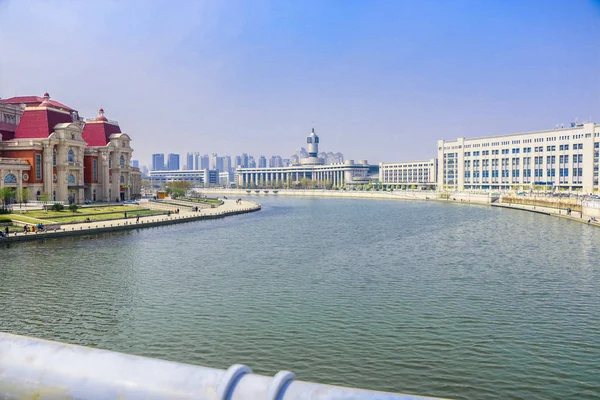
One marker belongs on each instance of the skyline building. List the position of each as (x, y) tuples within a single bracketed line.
[(262, 162), (158, 162), (173, 162), (189, 163)]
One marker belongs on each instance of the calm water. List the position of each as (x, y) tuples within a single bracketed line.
[(425, 298)]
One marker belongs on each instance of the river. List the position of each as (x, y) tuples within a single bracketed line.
[(449, 300)]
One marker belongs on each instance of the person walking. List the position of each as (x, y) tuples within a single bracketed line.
[(137, 219)]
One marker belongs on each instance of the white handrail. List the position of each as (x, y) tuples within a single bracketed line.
[(32, 367)]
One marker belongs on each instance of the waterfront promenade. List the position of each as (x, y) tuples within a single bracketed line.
[(488, 199), (228, 208)]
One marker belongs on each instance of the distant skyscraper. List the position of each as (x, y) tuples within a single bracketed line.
[(227, 164), (189, 165), (173, 162), (251, 162), (245, 160), (204, 162), (196, 161), (158, 162), (135, 163), (275, 162), (262, 162)]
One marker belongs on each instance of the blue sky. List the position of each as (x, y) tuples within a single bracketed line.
[(379, 80)]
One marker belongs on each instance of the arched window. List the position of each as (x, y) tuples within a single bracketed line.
[(122, 160), (71, 178), (54, 157), (110, 161), (71, 156), (122, 180), (10, 178)]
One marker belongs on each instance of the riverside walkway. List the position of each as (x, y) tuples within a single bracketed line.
[(228, 208)]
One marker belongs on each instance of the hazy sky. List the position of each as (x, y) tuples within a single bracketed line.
[(379, 80)]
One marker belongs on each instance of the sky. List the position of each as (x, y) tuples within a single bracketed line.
[(378, 80)]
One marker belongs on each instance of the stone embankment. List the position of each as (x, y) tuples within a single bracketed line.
[(227, 208), (552, 206)]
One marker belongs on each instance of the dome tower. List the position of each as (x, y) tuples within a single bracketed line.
[(313, 144)]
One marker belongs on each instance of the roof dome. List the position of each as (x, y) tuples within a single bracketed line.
[(313, 132), (101, 116), (45, 102)]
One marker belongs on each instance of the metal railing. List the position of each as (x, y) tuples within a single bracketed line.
[(34, 368)]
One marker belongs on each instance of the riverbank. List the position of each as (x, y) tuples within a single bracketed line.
[(457, 197), (228, 208)]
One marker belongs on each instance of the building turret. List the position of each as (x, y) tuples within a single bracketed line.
[(313, 144)]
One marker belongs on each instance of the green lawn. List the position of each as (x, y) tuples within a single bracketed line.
[(81, 212), (109, 217), (201, 200)]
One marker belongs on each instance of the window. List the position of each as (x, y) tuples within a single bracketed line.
[(95, 170), (110, 161), (10, 178), (122, 160), (122, 180), (54, 157), (71, 156), (71, 179), (38, 166)]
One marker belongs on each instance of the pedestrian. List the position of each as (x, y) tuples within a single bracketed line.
[(25, 229), (137, 220), (125, 215), (6, 231)]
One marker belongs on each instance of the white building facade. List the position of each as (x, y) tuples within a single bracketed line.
[(563, 159), (409, 175), (311, 168)]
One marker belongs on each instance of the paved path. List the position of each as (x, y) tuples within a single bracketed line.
[(555, 212), (229, 207)]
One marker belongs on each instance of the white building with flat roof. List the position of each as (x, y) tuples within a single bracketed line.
[(408, 175), (565, 158), (311, 168)]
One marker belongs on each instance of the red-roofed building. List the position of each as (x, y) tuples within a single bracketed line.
[(47, 148)]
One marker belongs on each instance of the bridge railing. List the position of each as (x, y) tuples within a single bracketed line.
[(32, 367)]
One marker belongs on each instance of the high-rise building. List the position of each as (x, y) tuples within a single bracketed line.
[(245, 160), (275, 162), (262, 162), (196, 161), (251, 162), (173, 162), (227, 167), (204, 162), (135, 163), (158, 162), (189, 165)]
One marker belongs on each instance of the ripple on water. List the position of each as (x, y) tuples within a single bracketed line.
[(416, 297)]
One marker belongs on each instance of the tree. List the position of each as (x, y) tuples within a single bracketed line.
[(57, 207), (177, 192), (6, 194), (73, 207), (23, 195), (185, 185)]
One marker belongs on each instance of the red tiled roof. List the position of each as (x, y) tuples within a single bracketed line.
[(40, 123), (98, 133), (33, 101)]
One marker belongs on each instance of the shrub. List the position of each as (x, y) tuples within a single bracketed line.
[(57, 207), (73, 207)]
